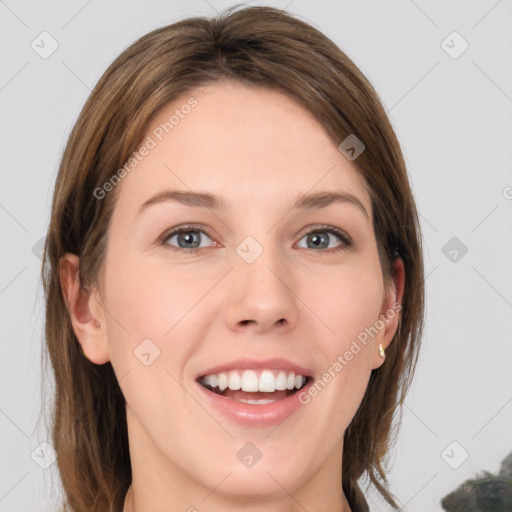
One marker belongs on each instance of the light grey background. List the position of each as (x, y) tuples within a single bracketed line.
[(453, 119)]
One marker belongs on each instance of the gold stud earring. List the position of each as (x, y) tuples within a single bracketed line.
[(382, 351)]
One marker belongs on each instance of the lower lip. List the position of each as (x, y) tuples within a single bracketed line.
[(254, 415)]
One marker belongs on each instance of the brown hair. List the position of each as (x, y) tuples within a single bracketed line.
[(259, 46)]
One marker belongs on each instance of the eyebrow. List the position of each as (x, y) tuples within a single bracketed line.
[(211, 201), (324, 199)]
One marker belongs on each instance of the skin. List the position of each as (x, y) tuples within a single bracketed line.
[(259, 150)]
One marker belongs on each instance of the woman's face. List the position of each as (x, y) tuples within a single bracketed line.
[(243, 287)]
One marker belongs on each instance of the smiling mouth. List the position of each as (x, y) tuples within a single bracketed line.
[(255, 388)]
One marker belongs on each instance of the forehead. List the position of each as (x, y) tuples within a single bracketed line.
[(248, 144)]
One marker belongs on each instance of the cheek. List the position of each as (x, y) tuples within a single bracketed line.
[(149, 312), (151, 300), (347, 308), (346, 301)]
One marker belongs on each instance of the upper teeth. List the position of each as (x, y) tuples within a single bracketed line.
[(267, 381)]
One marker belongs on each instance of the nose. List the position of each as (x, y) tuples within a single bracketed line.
[(262, 296)]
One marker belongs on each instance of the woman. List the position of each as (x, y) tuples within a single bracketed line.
[(233, 276)]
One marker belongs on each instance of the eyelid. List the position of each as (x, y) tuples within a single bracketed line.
[(346, 240), (162, 239)]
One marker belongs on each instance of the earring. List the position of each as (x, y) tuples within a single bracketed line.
[(381, 351)]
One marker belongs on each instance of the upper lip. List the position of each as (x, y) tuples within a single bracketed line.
[(275, 363)]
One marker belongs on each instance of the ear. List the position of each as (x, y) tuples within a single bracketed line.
[(85, 311), (390, 312)]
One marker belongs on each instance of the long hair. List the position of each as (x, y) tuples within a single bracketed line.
[(259, 46)]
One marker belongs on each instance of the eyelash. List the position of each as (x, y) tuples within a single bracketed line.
[(346, 241)]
